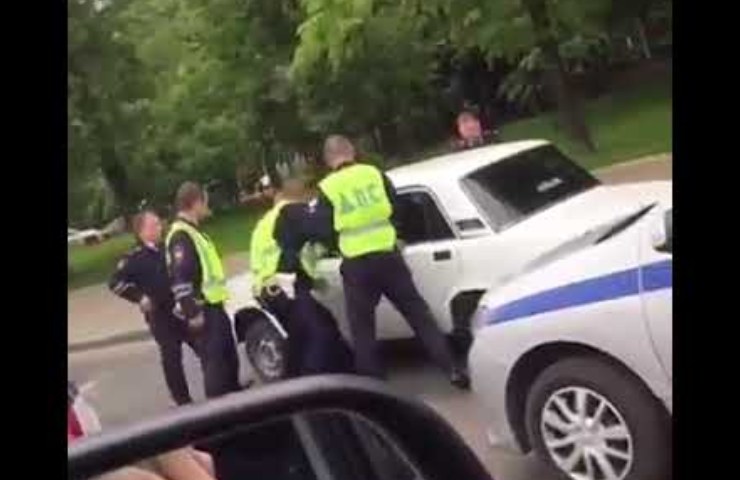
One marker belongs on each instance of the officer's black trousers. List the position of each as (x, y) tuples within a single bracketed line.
[(218, 355), (170, 333), (365, 279), (314, 342)]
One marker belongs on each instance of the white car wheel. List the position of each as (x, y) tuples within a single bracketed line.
[(266, 350), (594, 421)]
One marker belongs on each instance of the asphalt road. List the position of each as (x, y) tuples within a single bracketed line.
[(125, 384)]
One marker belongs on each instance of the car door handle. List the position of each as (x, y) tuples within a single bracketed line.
[(441, 255)]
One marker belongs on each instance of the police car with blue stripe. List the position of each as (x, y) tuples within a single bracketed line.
[(572, 357)]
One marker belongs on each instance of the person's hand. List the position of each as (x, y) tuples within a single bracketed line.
[(177, 311), (196, 323), (286, 282), (145, 304)]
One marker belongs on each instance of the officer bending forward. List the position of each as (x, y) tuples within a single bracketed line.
[(283, 265)]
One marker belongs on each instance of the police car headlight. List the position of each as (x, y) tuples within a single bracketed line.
[(481, 318)]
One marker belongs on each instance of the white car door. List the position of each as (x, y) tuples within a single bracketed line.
[(432, 256), (657, 285), (431, 253)]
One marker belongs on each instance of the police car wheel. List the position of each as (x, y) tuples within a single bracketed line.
[(266, 350), (592, 421)]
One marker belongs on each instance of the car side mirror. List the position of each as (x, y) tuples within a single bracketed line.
[(662, 236), (330, 426)]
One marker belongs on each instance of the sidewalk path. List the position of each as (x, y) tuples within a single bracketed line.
[(96, 318), (654, 167)]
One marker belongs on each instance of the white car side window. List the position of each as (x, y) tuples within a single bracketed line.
[(420, 220)]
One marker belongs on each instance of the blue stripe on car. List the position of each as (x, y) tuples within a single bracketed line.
[(655, 276)]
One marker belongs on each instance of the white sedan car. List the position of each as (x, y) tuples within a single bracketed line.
[(473, 218), (90, 236), (572, 358)]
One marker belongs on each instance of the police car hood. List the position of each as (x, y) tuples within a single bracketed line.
[(578, 262), (578, 223), (592, 208), (588, 239)]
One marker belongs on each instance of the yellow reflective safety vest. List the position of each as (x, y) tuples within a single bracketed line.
[(264, 251), (362, 210), (213, 281)]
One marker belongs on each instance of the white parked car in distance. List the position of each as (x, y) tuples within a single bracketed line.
[(89, 236), (473, 218), (573, 357)]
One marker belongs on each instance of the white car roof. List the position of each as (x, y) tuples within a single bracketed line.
[(454, 166)]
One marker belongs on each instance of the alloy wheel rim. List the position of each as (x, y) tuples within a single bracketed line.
[(269, 358), (586, 436)]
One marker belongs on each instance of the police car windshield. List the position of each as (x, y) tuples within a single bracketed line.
[(512, 189)]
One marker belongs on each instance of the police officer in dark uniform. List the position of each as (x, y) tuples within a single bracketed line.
[(283, 265), (356, 205), (141, 278), (199, 288)]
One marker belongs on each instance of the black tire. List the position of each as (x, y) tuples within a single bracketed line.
[(646, 419), (266, 350)]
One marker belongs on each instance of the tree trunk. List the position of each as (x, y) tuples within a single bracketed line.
[(571, 112), (377, 139), (116, 177), (269, 161), (644, 43)]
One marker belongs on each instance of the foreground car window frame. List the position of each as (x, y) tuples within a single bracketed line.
[(435, 449)]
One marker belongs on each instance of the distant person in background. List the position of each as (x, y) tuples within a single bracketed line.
[(266, 188), (470, 131), (261, 196), (142, 279)]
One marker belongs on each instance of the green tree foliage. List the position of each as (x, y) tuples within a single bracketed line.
[(166, 90), (365, 74), (106, 105), (335, 31)]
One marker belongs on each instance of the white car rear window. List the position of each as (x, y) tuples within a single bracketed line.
[(512, 189)]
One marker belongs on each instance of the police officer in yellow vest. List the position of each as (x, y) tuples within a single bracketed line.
[(356, 205), (199, 288), (283, 266)]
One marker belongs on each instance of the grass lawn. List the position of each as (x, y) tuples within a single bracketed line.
[(92, 264), (624, 126), (89, 264)]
